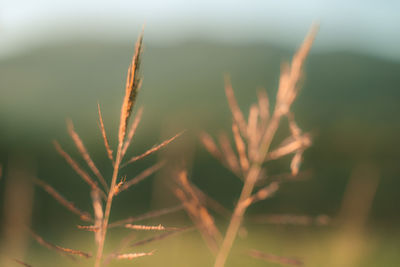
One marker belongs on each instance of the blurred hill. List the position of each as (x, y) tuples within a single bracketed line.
[(350, 101)]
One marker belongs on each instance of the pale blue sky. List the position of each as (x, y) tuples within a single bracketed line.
[(367, 26)]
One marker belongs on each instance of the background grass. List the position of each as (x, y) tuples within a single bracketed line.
[(350, 101)]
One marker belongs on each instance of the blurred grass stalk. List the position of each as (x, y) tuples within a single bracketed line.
[(349, 244), (18, 203), (261, 138)]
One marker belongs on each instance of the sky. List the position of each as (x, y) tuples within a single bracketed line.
[(366, 26)]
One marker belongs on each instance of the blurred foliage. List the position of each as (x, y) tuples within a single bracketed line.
[(348, 101)]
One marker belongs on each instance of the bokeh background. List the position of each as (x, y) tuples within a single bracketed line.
[(58, 59)]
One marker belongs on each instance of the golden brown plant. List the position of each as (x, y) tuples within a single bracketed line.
[(59, 249), (132, 86), (83, 215), (148, 215), (104, 135), (198, 213), (131, 256), (107, 190), (161, 236), (252, 140)]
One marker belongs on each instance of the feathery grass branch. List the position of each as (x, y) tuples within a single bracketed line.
[(161, 236), (131, 90), (131, 256), (145, 227), (84, 153), (121, 246), (148, 215), (104, 135), (141, 176), (68, 251), (233, 105), (211, 203), (132, 130), (85, 216), (198, 213), (150, 227), (241, 148), (84, 175), (152, 150), (211, 146)]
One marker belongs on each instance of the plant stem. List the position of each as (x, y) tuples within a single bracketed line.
[(110, 196), (250, 181)]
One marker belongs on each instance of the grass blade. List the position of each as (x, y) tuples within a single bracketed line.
[(152, 150), (85, 216), (62, 250), (148, 215), (84, 153), (141, 176), (132, 130), (104, 135), (84, 175)]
